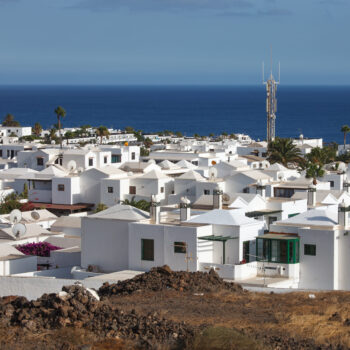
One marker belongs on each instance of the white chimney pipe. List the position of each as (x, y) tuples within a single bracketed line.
[(217, 199), (343, 215), (311, 195), (155, 211), (261, 189), (185, 209)]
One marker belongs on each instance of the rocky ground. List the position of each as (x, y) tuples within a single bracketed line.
[(163, 309)]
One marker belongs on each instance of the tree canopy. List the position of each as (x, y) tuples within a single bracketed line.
[(9, 120), (284, 151)]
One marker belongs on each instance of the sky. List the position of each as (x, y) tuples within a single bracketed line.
[(166, 42)]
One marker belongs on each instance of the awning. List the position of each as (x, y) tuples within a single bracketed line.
[(253, 214), (222, 239)]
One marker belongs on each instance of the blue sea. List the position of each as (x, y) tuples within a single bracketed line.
[(313, 111)]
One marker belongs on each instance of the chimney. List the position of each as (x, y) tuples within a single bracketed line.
[(261, 189), (217, 199), (343, 215), (346, 186), (185, 209), (311, 195), (155, 210)]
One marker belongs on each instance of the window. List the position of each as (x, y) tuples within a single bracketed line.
[(133, 156), (147, 249), (195, 162), (116, 158), (60, 187), (91, 161), (105, 160), (310, 249), (246, 190), (0, 152), (162, 190), (283, 192), (132, 189), (331, 183), (284, 251), (246, 251), (180, 247), (110, 189), (207, 192), (40, 161)]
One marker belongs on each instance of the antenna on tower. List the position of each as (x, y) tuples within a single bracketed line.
[(271, 100), (263, 72)]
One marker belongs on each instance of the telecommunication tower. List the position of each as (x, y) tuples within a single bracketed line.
[(271, 103)]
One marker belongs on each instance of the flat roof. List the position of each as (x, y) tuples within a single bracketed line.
[(278, 236), (62, 206)]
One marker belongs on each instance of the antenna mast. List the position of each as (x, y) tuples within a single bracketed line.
[(271, 103)]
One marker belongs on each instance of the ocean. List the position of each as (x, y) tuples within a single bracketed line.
[(309, 110)]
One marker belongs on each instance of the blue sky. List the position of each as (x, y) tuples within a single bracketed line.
[(173, 41)]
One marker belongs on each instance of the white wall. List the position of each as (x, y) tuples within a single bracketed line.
[(12, 266), (105, 243), (164, 237), (71, 193)]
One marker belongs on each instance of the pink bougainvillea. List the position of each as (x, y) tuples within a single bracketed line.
[(38, 249)]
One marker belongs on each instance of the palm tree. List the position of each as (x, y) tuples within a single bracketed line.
[(322, 156), (100, 207), (37, 129), (345, 129), (102, 131), (10, 121), (284, 151), (314, 171), (60, 113), (141, 204)]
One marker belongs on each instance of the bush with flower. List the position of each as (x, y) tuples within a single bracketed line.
[(38, 249)]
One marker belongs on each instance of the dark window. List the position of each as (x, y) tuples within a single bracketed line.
[(105, 160), (147, 249), (278, 250), (180, 247), (206, 192), (110, 189), (60, 187), (264, 154), (283, 192), (246, 251), (133, 156), (91, 161), (246, 190), (116, 158), (162, 190), (0, 152), (291, 215), (331, 183), (132, 189), (195, 162), (40, 161), (310, 249)]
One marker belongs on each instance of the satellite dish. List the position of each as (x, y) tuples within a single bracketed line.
[(19, 230), (15, 216), (72, 165), (213, 173), (35, 215), (226, 197)]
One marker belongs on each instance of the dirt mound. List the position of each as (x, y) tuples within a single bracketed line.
[(162, 278), (78, 307)]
